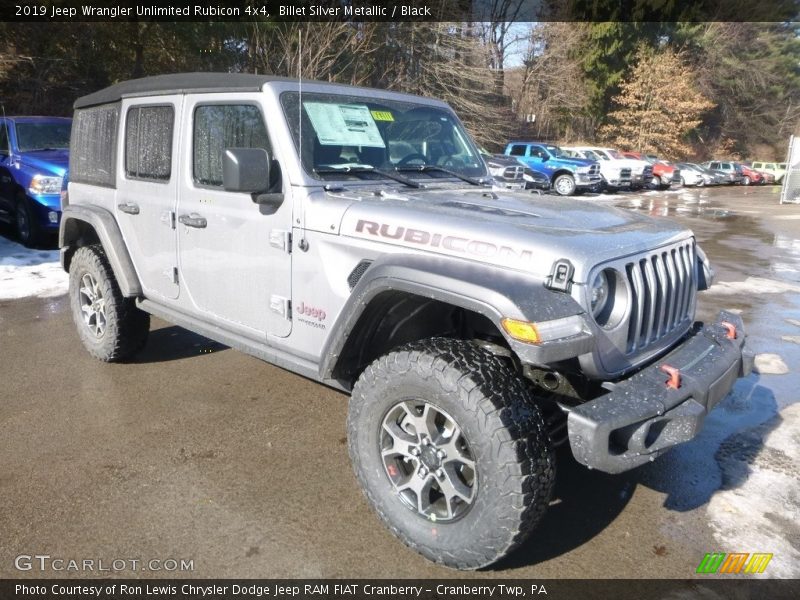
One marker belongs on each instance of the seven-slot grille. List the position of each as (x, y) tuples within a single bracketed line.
[(663, 286), (594, 169), (625, 173)]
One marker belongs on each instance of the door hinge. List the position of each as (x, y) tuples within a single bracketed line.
[(281, 306), (281, 239), (175, 275)]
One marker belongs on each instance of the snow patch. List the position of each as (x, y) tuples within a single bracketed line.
[(25, 272), (771, 364), (743, 518), (753, 285)]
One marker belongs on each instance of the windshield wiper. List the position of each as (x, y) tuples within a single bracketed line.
[(427, 168), (364, 169)]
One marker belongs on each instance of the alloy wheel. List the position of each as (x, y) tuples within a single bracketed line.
[(428, 460)]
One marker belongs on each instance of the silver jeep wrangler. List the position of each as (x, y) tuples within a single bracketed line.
[(351, 235)]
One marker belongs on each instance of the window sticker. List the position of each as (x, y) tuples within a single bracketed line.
[(344, 124), (382, 115)]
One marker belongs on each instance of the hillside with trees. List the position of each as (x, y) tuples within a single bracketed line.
[(678, 89)]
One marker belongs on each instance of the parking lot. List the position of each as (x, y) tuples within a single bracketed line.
[(198, 453)]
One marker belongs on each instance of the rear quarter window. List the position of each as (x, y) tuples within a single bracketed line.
[(93, 145)]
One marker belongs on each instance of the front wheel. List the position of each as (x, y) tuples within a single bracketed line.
[(746, 180), (451, 451), (564, 185), (29, 232), (110, 326)]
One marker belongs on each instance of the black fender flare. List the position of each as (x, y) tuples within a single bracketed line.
[(110, 236), (488, 291)]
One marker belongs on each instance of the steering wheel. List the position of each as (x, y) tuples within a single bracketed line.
[(413, 156)]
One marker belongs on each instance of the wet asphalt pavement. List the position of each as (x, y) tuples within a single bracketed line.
[(197, 452)]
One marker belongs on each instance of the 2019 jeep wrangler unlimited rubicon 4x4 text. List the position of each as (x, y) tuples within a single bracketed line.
[(350, 235)]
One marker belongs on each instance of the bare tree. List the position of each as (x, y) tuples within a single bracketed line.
[(550, 93), (330, 51)]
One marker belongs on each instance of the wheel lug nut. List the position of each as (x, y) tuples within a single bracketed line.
[(423, 472), (415, 451), (440, 472), (441, 453)]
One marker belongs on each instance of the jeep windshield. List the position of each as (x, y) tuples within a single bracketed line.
[(42, 136), (355, 137)]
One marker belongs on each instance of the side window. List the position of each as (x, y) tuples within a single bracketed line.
[(221, 126), (4, 146), (93, 145), (715, 165), (517, 150), (148, 142), (538, 152)]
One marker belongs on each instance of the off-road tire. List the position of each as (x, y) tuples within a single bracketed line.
[(26, 226), (514, 460), (746, 180), (126, 326)]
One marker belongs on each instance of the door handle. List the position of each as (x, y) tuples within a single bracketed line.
[(193, 220), (129, 207)]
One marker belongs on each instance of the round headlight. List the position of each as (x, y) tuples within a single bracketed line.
[(599, 292), (609, 298)]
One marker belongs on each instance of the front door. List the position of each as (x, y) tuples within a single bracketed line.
[(234, 255)]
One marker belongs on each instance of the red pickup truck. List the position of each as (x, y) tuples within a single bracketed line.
[(664, 174)]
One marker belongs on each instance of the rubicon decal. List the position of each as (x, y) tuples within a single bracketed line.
[(452, 243), (735, 562)]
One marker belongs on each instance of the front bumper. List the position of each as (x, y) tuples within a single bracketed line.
[(643, 417), (46, 210), (583, 180)]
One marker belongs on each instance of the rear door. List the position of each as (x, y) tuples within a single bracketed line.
[(147, 191), (234, 254)]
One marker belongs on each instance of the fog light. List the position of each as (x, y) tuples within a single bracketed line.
[(52, 216)]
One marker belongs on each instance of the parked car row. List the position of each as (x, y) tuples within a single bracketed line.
[(573, 170)]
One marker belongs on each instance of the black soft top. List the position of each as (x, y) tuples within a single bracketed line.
[(182, 83)]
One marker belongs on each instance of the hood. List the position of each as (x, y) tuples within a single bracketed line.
[(514, 230), (636, 165), (501, 160), (576, 162), (47, 162)]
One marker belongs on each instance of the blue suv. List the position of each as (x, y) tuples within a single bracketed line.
[(568, 176), (34, 153)]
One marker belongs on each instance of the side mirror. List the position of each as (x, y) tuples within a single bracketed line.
[(245, 170), (544, 158)]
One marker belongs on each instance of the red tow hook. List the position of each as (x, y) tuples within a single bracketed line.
[(674, 380), (731, 328)]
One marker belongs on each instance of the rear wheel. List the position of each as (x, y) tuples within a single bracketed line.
[(110, 326), (451, 451), (746, 180)]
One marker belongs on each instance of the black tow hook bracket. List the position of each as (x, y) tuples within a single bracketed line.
[(560, 277)]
